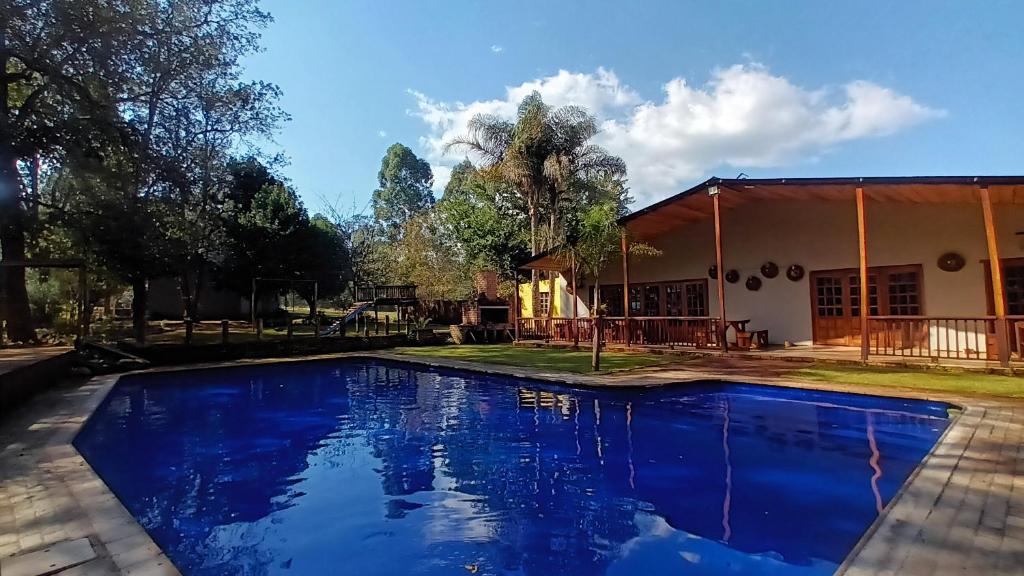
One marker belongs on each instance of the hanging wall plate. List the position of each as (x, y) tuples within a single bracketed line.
[(769, 270), (713, 272), (753, 283), (732, 276), (951, 262), (795, 272)]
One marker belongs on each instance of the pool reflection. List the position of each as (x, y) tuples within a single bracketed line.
[(377, 468)]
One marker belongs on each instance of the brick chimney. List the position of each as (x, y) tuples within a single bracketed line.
[(486, 283)]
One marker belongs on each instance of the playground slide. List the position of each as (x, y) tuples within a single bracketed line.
[(349, 316)]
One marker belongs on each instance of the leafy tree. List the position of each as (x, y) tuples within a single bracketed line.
[(60, 63), (323, 257), (483, 217), (592, 242), (425, 257), (404, 187), (546, 156)]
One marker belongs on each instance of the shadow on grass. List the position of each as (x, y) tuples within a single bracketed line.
[(539, 358)]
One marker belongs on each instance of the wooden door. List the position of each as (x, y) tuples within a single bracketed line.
[(892, 290), (831, 308)]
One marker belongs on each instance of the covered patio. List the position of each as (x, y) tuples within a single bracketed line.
[(845, 241)]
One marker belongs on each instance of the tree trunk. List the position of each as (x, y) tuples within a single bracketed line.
[(534, 276), (595, 359), (139, 296), (12, 240)]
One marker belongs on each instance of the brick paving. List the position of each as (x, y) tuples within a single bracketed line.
[(961, 513)]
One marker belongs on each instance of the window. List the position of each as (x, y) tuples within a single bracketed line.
[(634, 300), (1013, 278), (543, 304), (904, 294), (611, 297), (855, 295), (829, 293), (652, 300), (696, 299), (673, 300)]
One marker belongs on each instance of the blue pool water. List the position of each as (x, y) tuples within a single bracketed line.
[(364, 467)]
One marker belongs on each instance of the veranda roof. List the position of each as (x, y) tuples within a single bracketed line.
[(695, 204)]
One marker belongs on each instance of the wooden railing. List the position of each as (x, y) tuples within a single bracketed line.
[(683, 331), (390, 292), (933, 337)]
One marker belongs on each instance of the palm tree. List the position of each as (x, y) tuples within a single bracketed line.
[(515, 153), (573, 163), (547, 156)]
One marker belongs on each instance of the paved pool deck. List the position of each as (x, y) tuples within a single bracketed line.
[(962, 512)]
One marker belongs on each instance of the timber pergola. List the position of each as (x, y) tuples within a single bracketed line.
[(710, 199)]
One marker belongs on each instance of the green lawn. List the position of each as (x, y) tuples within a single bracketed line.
[(954, 382), (544, 358)]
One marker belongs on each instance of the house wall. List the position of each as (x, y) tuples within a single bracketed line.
[(822, 235), (561, 303)]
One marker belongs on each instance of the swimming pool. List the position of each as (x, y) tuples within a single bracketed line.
[(370, 467)]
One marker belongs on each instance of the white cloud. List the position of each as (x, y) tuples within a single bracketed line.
[(743, 117), (496, 49), (382, 134)]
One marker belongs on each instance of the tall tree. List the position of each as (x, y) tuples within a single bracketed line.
[(60, 63), (546, 155), (592, 239), (404, 187), (485, 217), (515, 152)]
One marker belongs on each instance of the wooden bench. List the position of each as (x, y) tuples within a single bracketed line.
[(751, 339)]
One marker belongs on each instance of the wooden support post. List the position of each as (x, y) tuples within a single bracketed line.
[(996, 267), (625, 288), (575, 307), (189, 326), (387, 325), (83, 296), (290, 327), (224, 331), (865, 301), (252, 305), (723, 329), (515, 305), (259, 329)]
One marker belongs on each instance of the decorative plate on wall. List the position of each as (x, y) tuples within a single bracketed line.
[(753, 283), (732, 276), (769, 270), (951, 262), (795, 272), (713, 272)]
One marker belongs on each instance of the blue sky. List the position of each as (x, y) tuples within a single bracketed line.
[(685, 90)]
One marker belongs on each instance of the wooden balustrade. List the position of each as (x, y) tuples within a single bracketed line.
[(390, 292), (957, 338), (933, 337), (692, 332)]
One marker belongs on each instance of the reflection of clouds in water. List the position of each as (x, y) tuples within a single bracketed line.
[(699, 555), (455, 517)]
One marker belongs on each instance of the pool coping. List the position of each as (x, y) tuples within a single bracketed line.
[(124, 541)]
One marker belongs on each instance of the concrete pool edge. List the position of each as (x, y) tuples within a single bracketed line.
[(126, 543)]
